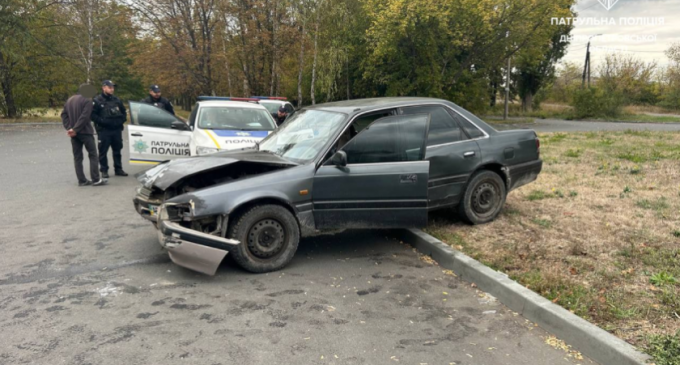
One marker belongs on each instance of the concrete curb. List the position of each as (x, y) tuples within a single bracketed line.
[(590, 340)]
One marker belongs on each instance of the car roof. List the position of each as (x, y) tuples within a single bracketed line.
[(356, 106), (231, 103), (362, 105), (274, 101)]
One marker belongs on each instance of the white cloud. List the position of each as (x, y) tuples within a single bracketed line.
[(665, 34)]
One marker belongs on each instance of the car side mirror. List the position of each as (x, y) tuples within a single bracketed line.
[(179, 126), (339, 159)]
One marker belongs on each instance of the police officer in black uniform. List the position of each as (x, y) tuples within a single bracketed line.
[(281, 115), (157, 100), (109, 115)]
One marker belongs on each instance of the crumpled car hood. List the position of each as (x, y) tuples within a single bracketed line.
[(166, 174)]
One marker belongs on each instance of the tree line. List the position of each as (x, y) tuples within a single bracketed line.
[(307, 50), (619, 79)]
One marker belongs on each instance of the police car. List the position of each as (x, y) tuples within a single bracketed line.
[(215, 124)]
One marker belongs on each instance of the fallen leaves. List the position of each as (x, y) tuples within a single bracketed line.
[(428, 259), (561, 345), (449, 272)]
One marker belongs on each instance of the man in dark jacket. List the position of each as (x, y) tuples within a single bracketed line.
[(76, 120), (281, 116), (109, 115), (157, 100)]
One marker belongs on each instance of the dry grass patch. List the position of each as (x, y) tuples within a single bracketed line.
[(597, 232), (641, 109), (36, 116)]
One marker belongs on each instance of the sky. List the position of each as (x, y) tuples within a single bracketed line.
[(653, 39)]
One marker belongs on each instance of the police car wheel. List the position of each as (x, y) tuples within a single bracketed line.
[(269, 236)]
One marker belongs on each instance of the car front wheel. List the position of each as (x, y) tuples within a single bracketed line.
[(483, 198), (269, 236)]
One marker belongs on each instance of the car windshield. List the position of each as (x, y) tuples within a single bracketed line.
[(304, 135), (223, 117), (273, 107)]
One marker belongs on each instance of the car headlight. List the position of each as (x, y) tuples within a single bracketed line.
[(205, 150)]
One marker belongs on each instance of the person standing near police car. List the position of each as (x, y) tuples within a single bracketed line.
[(109, 116), (76, 120), (157, 100)]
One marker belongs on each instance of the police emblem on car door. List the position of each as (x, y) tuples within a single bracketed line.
[(156, 135)]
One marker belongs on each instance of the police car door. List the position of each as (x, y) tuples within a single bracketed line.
[(156, 135)]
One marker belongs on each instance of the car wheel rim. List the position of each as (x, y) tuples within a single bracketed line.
[(485, 198), (266, 239)]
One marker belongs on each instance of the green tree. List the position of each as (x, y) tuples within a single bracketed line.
[(629, 77), (535, 66), (567, 80), (670, 77), (444, 48)]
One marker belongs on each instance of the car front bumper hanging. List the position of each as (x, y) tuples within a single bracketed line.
[(192, 249)]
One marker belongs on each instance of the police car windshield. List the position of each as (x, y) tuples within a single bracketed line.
[(304, 135), (272, 106), (235, 118)]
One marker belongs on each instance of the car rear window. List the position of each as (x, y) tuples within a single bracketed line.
[(272, 107), (443, 127), (470, 128)]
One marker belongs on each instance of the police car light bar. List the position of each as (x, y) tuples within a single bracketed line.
[(205, 98), (270, 97)]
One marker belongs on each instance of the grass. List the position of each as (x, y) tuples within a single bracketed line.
[(181, 112), (665, 349), (642, 109), (646, 118), (658, 204), (547, 111), (510, 120), (631, 114), (598, 233), (573, 153), (36, 116), (662, 278)]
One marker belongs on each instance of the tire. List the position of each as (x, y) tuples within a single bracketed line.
[(269, 236), (483, 199)]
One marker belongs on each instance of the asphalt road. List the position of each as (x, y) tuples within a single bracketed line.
[(84, 281), (559, 125)]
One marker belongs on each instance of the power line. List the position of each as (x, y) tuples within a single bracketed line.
[(596, 3)]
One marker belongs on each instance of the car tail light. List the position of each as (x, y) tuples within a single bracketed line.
[(538, 146)]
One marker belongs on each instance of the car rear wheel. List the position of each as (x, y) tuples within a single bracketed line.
[(483, 198), (269, 236)]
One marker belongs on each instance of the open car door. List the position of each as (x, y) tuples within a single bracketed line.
[(156, 135), (378, 179)]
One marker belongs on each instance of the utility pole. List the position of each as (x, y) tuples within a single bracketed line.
[(507, 91), (589, 69), (586, 65)]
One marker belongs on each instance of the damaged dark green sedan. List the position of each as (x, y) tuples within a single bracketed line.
[(371, 163)]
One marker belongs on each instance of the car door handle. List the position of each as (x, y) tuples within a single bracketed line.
[(136, 134), (469, 154)]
